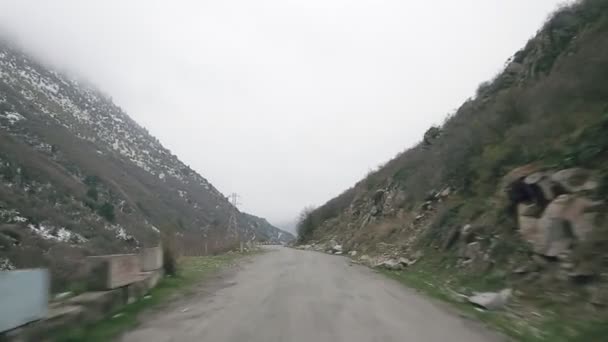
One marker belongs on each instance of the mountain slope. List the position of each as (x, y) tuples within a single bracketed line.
[(508, 192), (266, 232), (79, 177)]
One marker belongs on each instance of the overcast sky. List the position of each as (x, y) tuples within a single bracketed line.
[(286, 102)]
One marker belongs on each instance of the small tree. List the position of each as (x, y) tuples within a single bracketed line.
[(92, 193), (306, 224), (106, 211), (169, 245)]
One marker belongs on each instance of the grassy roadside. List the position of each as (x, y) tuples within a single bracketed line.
[(523, 320), (192, 270)]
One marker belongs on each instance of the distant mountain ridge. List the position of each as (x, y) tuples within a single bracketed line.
[(265, 231), (79, 176)]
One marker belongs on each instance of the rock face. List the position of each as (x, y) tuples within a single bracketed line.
[(513, 184), (575, 180), (540, 183), (566, 219), (555, 237), (366, 215), (551, 208)]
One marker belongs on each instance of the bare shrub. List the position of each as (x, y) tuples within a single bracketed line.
[(170, 255), (306, 224)]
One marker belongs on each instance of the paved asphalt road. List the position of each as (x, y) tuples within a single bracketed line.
[(291, 295)]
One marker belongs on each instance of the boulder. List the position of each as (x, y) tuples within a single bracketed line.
[(555, 237), (529, 209), (334, 247), (391, 264), (405, 261), (518, 174), (472, 251), (530, 184), (540, 261), (352, 253), (378, 196), (428, 205), (542, 180), (598, 295), (444, 193), (528, 229), (451, 239), (575, 180), (522, 269), (318, 247), (583, 270), (491, 300), (579, 213), (467, 233)]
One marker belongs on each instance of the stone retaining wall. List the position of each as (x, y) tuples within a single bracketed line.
[(151, 258), (108, 272), (119, 279)]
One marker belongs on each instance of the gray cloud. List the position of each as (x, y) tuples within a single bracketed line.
[(285, 102)]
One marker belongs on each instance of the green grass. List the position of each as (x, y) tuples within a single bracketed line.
[(192, 270), (528, 322)]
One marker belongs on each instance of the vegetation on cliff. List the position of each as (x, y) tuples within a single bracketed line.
[(483, 196)]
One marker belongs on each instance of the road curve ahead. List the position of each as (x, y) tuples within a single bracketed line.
[(289, 295)]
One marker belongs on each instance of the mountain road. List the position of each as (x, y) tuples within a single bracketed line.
[(301, 296)]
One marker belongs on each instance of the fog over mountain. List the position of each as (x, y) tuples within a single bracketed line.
[(285, 102)]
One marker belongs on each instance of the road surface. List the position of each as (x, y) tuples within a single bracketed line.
[(301, 296)]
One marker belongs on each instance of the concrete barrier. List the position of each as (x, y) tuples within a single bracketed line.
[(151, 259), (24, 296), (108, 272), (99, 304)]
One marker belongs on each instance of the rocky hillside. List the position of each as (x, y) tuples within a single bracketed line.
[(508, 193), (79, 177)]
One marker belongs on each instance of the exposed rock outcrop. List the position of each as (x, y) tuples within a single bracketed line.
[(552, 212)]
